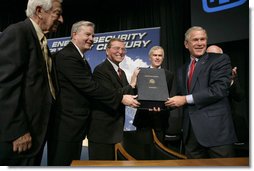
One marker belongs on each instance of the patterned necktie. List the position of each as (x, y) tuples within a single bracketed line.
[(120, 72), (48, 62), (191, 71)]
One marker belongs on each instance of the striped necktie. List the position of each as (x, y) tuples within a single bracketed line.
[(48, 62)]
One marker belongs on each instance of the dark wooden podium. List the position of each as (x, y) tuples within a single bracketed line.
[(242, 161)]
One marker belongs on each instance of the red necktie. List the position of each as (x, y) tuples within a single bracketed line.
[(191, 70), (119, 72)]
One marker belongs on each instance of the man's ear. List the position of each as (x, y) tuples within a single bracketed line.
[(38, 11), (186, 44)]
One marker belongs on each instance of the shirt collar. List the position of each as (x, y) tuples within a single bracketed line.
[(37, 29), (82, 55), (157, 68), (114, 65), (191, 58)]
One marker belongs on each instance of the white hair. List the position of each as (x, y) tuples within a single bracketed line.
[(32, 4), (77, 25)]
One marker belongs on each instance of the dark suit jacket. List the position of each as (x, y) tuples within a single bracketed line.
[(235, 91), (106, 123), (210, 116), (76, 91), (25, 99), (240, 115), (158, 120)]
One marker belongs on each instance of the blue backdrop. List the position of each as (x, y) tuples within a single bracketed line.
[(138, 44)]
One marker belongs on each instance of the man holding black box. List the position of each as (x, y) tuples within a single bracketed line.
[(144, 119), (152, 88)]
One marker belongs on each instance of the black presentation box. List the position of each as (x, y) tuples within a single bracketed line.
[(152, 88)]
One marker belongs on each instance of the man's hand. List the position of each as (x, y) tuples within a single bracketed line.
[(130, 100), (155, 109), (176, 101), (234, 73), (134, 77), (23, 143)]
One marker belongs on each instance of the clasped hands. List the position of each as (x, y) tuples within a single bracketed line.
[(173, 102)]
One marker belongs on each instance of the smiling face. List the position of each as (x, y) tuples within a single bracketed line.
[(156, 57), (116, 51), (83, 38), (196, 43)]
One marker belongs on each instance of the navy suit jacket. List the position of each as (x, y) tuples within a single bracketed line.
[(107, 124), (25, 99), (210, 115)]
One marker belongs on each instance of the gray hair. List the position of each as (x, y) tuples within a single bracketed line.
[(77, 25), (32, 4), (155, 48), (114, 40), (197, 28)]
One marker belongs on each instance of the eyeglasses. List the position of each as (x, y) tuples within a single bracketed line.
[(116, 48)]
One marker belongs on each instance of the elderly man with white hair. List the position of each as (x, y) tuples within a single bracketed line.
[(27, 91)]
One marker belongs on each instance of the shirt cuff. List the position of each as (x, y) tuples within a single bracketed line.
[(189, 99)]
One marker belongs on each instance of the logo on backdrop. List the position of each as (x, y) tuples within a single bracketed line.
[(210, 6), (138, 44)]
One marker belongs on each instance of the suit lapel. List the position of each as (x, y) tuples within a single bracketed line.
[(198, 68), (87, 64), (124, 80), (185, 76), (114, 73), (37, 43), (38, 47), (82, 59)]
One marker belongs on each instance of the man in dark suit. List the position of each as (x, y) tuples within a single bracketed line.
[(236, 100), (106, 127), (26, 99), (76, 91), (145, 119), (208, 129)]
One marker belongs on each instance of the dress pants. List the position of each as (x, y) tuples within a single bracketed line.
[(101, 151), (61, 153), (194, 150)]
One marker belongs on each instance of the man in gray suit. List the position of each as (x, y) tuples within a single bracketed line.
[(208, 129)]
